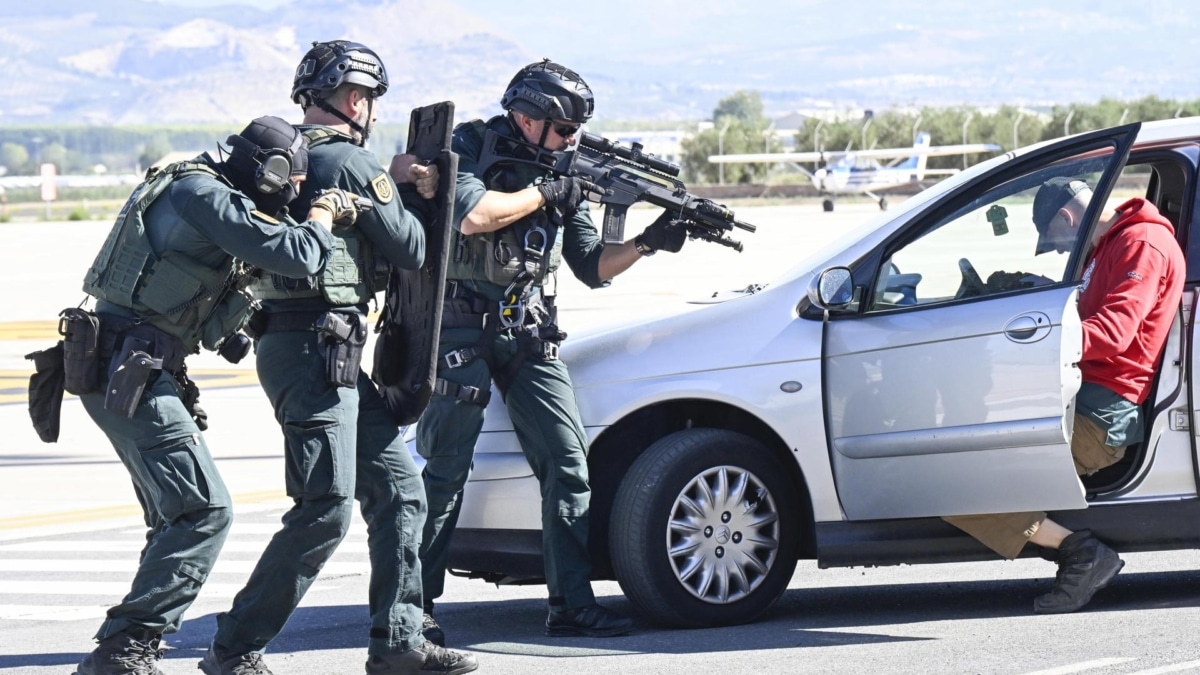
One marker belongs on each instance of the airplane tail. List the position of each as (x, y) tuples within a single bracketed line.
[(917, 162)]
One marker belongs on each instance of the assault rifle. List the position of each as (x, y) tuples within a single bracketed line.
[(627, 175)]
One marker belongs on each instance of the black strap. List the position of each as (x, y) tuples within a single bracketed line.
[(462, 392), (291, 321)]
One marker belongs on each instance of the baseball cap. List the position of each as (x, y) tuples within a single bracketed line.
[(1049, 199)]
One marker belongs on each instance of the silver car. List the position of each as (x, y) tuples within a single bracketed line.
[(924, 367)]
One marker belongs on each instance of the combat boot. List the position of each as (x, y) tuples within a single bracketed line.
[(1085, 565), (427, 658), (591, 621), (134, 652), (240, 664), (430, 628)]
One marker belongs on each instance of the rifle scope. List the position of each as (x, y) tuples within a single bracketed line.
[(632, 153)]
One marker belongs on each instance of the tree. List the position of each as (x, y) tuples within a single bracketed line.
[(14, 157), (739, 126), (155, 149)]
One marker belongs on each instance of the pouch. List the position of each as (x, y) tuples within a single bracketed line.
[(81, 350), (46, 392)]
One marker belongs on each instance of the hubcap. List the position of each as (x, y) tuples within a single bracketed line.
[(723, 534)]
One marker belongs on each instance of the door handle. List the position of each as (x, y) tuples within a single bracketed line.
[(1027, 328)]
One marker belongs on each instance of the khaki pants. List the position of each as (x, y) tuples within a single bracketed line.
[(1007, 533)]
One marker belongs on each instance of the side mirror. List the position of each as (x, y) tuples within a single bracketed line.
[(832, 288)]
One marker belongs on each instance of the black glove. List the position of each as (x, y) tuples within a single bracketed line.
[(664, 234), (340, 204), (567, 192)]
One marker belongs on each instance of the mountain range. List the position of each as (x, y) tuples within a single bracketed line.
[(133, 62)]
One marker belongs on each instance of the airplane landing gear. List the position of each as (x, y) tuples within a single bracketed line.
[(827, 205), (883, 204)]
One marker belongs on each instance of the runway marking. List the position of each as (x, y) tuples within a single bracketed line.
[(92, 565), (51, 612), (1170, 668), (14, 384), (110, 512), (30, 330), (112, 589), (1080, 667), (135, 545)]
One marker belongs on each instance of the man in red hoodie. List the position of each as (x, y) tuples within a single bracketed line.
[(1127, 301)]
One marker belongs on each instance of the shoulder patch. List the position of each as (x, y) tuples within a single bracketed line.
[(262, 216), (383, 188)]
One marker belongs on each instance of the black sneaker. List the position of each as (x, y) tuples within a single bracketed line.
[(432, 631), (133, 653), (427, 658), (242, 664), (591, 621), (1085, 565)]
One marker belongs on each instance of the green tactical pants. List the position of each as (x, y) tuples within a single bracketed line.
[(339, 443), (184, 502), (541, 404)]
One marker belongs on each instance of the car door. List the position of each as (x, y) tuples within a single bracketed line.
[(949, 382)]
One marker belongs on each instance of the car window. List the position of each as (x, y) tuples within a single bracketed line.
[(985, 247)]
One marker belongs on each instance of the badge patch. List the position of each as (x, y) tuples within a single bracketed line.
[(383, 188)]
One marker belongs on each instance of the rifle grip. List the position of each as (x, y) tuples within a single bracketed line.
[(614, 224)]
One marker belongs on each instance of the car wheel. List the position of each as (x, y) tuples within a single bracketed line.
[(827, 205), (704, 529)]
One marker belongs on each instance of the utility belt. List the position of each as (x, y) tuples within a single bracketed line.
[(130, 351), (341, 337), (531, 320)]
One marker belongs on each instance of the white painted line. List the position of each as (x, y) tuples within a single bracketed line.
[(113, 589), (130, 565), (357, 528), (1170, 668), (50, 613), (133, 546), (1081, 667)]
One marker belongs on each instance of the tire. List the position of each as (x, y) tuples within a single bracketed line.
[(827, 205), (715, 573)]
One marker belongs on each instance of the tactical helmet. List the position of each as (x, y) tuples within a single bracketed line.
[(264, 158), (328, 65), (547, 90)]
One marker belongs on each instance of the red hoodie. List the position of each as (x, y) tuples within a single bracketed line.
[(1128, 300)]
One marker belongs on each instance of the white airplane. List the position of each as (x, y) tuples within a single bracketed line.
[(859, 171)]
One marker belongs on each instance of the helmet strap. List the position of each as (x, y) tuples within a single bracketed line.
[(363, 133)]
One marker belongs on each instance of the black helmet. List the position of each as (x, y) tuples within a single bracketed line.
[(264, 158), (328, 65), (547, 90)]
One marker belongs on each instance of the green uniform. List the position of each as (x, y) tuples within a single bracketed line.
[(340, 441), (537, 387), (199, 223)]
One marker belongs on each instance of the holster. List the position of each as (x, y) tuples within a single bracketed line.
[(46, 391), (132, 367), (343, 352), (81, 350)]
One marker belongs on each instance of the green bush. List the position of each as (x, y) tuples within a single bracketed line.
[(78, 213)]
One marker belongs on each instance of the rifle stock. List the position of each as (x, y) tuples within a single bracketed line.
[(627, 175)]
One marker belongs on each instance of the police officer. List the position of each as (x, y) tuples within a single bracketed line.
[(340, 441), (170, 278), (498, 323)]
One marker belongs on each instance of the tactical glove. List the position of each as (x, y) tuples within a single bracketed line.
[(567, 192), (339, 203), (665, 234)]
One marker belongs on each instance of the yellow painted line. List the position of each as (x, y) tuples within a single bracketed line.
[(109, 512), (29, 330), (14, 384)]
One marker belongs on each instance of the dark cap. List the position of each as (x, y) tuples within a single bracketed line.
[(1051, 197)]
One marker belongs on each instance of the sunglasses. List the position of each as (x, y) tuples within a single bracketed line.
[(565, 130)]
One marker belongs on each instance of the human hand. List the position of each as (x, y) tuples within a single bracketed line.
[(341, 205), (665, 234), (407, 169), (567, 192)]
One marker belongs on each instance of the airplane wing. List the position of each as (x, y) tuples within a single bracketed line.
[(880, 153)]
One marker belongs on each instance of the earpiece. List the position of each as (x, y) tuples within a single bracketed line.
[(274, 165)]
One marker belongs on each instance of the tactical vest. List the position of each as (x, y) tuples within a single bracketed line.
[(183, 297), (499, 257), (348, 275)]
